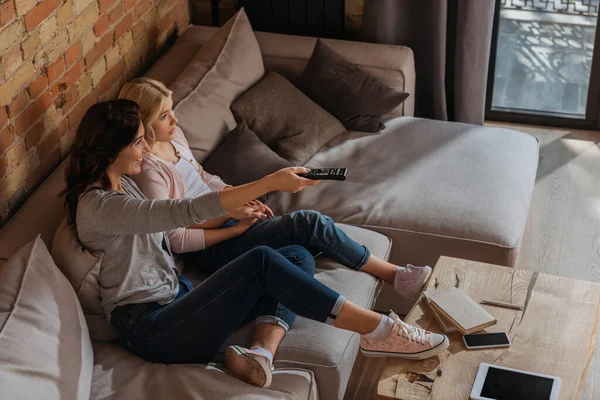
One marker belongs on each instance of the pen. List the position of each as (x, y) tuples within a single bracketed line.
[(502, 304)]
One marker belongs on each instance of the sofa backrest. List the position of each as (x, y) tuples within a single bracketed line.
[(287, 55)]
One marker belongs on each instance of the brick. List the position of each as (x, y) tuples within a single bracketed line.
[(123, 26), (48, 29), (18, 104), (15, 178), (48, 143), (128, 5), (11, 34), (99, 49), (66, 142), (98, 72), (30, 45), (106, 4), (83, 22), (88, 40), (37, 86), (137, 53), (113, 56), (33, 135), (54, 115), (7, 138), (141, 8), (113, 92), (35, 179), (73, 54), (23, 6), (32, 113), (55, 70), (101, 25), (12, 60), (116, 13), (84, 85), (77, 112), (164, 6), (2, 167), (63, 103), (112, 76), (3, 117), (71, 77), (65, 14), (55, 48), (40, 13), (138, 29), (7, 12), (14, 84), (15, 154), (126, 43), (80, 5)]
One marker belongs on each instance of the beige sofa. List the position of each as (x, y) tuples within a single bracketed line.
[(435, 188)]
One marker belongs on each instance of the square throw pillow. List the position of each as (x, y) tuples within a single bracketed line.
[(226, 66), (356, 98), (243, 158), (46, 351), (82, 269), (285, 119)]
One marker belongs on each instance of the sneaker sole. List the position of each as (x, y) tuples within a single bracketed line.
[(246, 368), (434, 351)]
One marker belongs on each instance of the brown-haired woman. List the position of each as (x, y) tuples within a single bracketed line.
[(158, 314)]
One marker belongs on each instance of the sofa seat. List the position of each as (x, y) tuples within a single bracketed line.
[(118, 374), (435, 187), (326, 351)]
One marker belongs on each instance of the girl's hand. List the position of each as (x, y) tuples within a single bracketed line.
[(248, 212), (245, 224), (286, 180), (264, 208)]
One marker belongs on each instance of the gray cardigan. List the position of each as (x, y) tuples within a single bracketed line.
[(129, 230)]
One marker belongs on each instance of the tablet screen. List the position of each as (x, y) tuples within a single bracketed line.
[(501, 384)]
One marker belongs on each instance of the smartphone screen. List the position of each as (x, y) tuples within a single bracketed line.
[(487, 339), (501, 384)]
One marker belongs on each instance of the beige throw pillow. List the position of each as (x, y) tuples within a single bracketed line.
[(46, 352), (226, 66), (285, 119), (82, 269)]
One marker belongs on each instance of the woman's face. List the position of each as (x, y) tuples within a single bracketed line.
[(129, 160), (164, 126)]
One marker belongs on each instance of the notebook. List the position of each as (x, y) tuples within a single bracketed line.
[(445, 324), (461, 310)]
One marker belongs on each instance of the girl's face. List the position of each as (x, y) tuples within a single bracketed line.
[(129, 160), (164, 126)]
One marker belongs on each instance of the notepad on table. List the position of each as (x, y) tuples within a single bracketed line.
[(458, 308)]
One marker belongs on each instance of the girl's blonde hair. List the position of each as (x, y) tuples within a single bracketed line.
[(149, 94)]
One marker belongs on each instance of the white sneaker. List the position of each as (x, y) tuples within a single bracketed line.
[(409, 280), (406, 341), (249, 366)]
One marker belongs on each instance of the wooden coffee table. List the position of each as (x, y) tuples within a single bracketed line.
[(554, 334)]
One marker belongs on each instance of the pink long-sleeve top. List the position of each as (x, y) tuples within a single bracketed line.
[(161, 180)]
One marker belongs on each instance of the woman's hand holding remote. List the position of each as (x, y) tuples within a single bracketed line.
[(287, 180)]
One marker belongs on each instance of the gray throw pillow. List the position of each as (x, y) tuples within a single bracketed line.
[(356, 98), (243, 158), (285, 119)]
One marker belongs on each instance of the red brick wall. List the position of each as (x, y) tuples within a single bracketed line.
[(58, 57)]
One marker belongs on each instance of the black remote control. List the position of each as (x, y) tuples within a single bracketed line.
[(336, 174)]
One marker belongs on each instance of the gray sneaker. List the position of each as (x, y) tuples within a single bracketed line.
[(249, 366), (410, 280)]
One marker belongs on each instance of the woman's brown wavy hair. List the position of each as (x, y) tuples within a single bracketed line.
[(104, 131)]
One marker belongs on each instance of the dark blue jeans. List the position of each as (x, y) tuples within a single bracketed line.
[(262, 282), (309, 229)]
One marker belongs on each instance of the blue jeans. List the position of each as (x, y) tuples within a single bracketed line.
[(310, 229), (261, 283)]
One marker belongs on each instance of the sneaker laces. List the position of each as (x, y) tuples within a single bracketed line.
[(408, 331)]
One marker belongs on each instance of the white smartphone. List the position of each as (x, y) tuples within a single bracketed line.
[(486, 340), (494, 382)]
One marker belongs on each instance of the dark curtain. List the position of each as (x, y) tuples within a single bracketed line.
[(451, 42)]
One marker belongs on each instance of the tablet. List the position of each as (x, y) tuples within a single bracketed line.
[(494, 382)]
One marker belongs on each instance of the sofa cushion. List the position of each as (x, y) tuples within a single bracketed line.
[(327, 351), (355, 97), (286, 119), (243, 158), (118, 374), (436, 188), (46, 352), (82, 269), (226, 66)]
